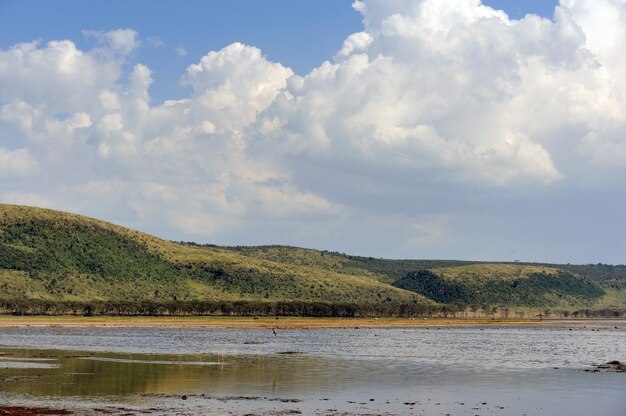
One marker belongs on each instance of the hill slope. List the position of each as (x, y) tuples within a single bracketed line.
[(50, 256), (504, 284), (523, 286)]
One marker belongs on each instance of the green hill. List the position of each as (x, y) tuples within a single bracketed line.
[(54, 256), (384, 270), (56, 262), (521, 286), (504, 284)]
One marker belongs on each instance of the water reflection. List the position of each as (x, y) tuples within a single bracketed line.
[(102, 374)]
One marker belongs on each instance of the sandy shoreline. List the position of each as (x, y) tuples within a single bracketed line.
[(267, 322)]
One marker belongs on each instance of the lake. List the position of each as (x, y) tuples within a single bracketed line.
[(508, 370)]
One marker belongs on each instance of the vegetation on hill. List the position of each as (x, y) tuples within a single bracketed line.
[(55, 256), (55, 262), (392, 270), (502, 285), (479, 285), (613, 276), (385, 270)]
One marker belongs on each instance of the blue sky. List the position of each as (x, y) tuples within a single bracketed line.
[(299, 34), (395, 128)]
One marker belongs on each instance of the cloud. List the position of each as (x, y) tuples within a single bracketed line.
[(234, 85), (356, 42), (20, 198), (56, 77), (430, 110), (15, 163), (287, 202), (460, 91), (181, 51), (155, 41), (122, 41)]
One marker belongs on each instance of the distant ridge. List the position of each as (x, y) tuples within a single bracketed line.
[(57, 262)]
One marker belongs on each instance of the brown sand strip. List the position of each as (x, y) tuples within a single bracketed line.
[(269, 323), (31, 411)]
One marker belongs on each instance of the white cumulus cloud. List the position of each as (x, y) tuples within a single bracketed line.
[(433, 105)]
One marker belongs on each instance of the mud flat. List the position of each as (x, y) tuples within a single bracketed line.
[(270, 322)]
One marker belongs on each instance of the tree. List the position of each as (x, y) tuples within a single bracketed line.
[(460, 306)]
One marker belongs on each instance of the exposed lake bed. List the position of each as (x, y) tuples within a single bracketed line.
[(502, 370)]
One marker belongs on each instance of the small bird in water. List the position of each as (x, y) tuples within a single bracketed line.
[(274, 331)]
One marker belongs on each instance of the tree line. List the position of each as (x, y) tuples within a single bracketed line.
[(261, 308), (215, 308)]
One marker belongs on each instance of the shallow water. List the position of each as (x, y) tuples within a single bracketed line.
[(475, 370)]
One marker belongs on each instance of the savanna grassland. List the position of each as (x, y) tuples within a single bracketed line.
[(54, 262)]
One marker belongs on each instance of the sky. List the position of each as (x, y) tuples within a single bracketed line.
[(389, 128)]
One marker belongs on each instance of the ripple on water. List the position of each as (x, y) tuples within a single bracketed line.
[(25, 364)]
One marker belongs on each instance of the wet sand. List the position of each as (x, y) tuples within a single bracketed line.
[(270, 322)]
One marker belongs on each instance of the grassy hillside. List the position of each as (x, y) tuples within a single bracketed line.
[(52, 255), (392, 270), (523, 286), (504, 284), (48, 256), (384, 270)]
